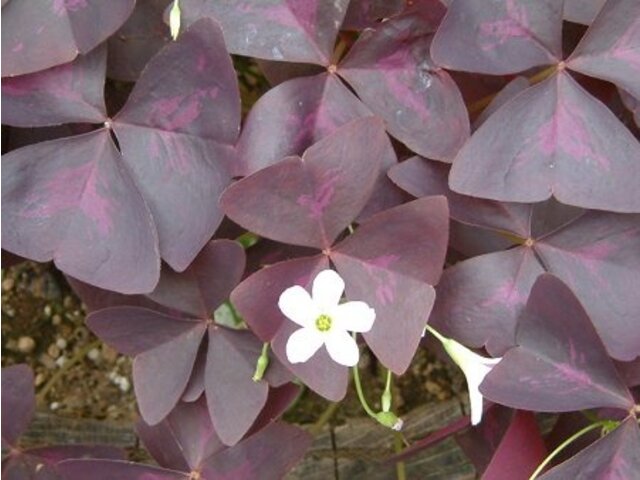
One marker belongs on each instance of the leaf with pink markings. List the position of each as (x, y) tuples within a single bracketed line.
[(291, 30), (73, 201), (308, 201), (616, 456), (294, 115), (18, 402), (138, 40), (478, 300), (384, 265), (499, 37), (559, 363), (42, 34), (611, 47), (176, 132), (391, 71), (67, 93), (552, 139), (598, 256)]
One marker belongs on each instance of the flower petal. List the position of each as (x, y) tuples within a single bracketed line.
[(353, 316), (474, 374), (296, 304), (342, 348), (302, 344), (327, 289)]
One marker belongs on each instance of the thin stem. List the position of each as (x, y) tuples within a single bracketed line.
[(387, 397), (564, 445), (356, 381), (401, 471)]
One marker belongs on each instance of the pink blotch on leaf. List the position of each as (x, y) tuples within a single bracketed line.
[(60, 7), (566, 131), (176, 113), (626, 47), (507, 295), (515, 25), (96, 206), (317, 202)]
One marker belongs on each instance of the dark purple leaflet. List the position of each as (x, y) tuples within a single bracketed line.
[(380, 265), (560, 363), (42, 34), (176, 156)]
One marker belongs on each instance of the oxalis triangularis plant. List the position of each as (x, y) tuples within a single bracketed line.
[(465, 172)]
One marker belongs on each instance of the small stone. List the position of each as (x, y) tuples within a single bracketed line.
[(47, 361), (26, 344), (61, 361), (47, 311), (123, 384), (39, 380), (56, 319), (61, 343), (53, 351), (93, 354), (54, 406), (7, 284)]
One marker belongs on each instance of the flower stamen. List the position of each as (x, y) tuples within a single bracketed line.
[(323, 323)]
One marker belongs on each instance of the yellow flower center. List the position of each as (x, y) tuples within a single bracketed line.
[(323, 323)]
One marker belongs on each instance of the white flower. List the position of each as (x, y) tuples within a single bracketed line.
[(324, 321), (474, 367)]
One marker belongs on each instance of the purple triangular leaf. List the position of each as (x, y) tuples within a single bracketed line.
[(511, 460), (233, 397), (616, 456), (267, 455), (170, 138), (62, 196), (158, 394), (206, 283), (582, 11), (362, 14), (134, 330), (292, 116), (296, 31), (598, 256), (552, 139), (68, 93), (559, 363), (138, 40), (309, 201), (55, 454), (391, 71), (42, 34), (499, 37), (610, 48), (479, 300), (195, 387), (18, 402), (278, 401), (509, 91), (192, 428), (387, 264), (109, 470), (261, 312), (421, 177)]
